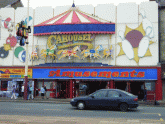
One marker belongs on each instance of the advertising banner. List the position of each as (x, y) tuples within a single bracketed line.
[(14, 73), (67, 73)]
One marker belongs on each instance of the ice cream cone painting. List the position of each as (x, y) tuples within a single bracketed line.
[(135, 42)]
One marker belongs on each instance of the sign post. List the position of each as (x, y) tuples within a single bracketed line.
[(26, 61)]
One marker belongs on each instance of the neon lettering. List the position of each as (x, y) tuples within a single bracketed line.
[(109, 74), (102, 74), (124, 74), (115, 74), (86, 74), (132, 73), (141, 74), (94, 74), (78, 74)]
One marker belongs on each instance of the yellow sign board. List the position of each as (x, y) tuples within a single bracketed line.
[(62, 40), (14, 73)]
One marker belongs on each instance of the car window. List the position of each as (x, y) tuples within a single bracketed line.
[(113, 94), (128, 94), (100, 94)]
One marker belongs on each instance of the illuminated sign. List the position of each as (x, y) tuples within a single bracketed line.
[(14, 73), (144, 74), (63, 41)]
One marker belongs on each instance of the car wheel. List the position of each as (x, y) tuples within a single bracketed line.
[(81, 105), (123, 107)]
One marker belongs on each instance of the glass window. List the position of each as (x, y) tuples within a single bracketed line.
[(100, 94), (113, 94), (150, 85)]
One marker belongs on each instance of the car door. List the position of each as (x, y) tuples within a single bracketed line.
[(98, 98), (113, 99)]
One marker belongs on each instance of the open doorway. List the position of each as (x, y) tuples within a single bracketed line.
[(92, 86), (122, 85), (136, 88)]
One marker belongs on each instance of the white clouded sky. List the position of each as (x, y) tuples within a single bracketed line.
[(54, 3)]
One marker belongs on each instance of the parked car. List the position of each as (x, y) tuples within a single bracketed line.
[(107, 98)]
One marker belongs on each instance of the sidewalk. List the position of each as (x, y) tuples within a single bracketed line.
[(67, 101), (13, 119)]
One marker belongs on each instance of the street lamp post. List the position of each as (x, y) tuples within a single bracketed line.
[(26, 60)]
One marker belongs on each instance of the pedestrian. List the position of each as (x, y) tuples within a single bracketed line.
[(45, 92), (13, 93), (31, 92), (145, 94), (28, 92), (22, 91), (36, 91), (42, 92)]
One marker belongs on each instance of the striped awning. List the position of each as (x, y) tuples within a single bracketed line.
[(74, 21)]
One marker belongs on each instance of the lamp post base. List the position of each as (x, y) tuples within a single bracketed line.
[(25, 88)]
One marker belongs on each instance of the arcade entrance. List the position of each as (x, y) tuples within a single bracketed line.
[(122, 85), (134, 87), (88, 87), (137, 88)]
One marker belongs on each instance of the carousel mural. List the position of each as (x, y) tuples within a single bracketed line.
[(73, 32)]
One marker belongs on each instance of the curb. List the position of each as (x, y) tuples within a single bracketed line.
[(68, 102)]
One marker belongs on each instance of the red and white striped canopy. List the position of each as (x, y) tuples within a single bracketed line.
[(73, 16)]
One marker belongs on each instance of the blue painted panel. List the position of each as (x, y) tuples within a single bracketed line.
[(74, 27), (127, 74)]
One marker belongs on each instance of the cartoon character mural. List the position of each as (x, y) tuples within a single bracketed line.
[(92, 52), (135, 42), (11, 40)]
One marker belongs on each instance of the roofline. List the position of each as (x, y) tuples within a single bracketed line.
[(17, 2)]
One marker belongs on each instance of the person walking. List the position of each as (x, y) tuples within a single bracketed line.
[(31, 93), (145, 94), (13, 93), (28, 92), (42, 92), (45, 92), (22, 91)]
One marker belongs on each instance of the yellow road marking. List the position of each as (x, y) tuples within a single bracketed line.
[(152, 113)]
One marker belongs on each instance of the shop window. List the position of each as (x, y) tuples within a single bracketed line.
[(150, 86), (3, 85)]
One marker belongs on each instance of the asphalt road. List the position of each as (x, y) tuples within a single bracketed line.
[(66, 110)]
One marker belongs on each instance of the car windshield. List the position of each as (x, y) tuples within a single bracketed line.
[(129, 94)]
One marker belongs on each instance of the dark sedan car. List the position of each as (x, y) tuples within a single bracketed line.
[(107, 98)]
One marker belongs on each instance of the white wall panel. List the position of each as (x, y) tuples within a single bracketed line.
[(60, 9), (89, 9), (127, 13), (150, 10), (106, 11), (42, 14)]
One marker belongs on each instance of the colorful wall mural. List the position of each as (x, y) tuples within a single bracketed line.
[(134, 41)]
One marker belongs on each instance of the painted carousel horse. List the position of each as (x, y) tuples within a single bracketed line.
[(34, 53), (69, 53), (49, 52), (108, 52), (92, 52)]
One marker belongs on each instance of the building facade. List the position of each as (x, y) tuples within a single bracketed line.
[(76, 50)]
